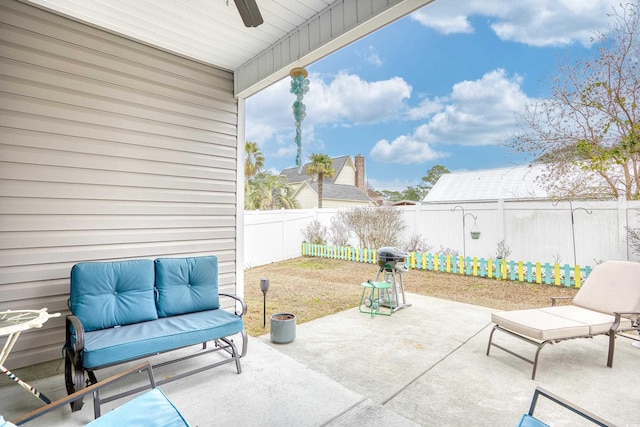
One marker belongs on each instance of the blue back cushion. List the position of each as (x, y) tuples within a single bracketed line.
[(107, 294), (186, 285)]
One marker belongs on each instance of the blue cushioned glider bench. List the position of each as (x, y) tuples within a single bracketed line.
[(127, 310)]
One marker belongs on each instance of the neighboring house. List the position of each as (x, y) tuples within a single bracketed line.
[(123, 129), (519, 182), (347, 188)]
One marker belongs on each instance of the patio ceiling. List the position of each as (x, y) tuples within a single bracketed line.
[(294, 32)]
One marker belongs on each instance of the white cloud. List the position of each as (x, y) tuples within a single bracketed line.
[(478, 112), (443, 21), (405, 149), (373, 58), (532, 22), (393, 184), (348, 98), (345, 100)]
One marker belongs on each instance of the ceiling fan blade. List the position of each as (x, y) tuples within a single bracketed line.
[(249, 12)]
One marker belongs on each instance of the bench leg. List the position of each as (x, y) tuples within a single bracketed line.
[(74, 378), (234, 353), (245, 342)]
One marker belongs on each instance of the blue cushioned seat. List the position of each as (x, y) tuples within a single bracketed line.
[(151, 409), (116, 345), (530, 421)]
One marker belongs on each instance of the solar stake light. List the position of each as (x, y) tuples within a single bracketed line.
[(264, 287)]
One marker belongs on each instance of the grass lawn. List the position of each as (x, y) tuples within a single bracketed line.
[(316, 287)]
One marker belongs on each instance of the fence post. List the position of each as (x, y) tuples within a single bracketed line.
[(622, 222)]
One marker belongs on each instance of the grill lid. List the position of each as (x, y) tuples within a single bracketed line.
[(388, 257)]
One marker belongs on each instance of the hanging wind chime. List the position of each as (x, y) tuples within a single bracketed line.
[(299, 87)]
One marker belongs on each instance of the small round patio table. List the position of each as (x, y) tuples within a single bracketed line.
[(12, 323)]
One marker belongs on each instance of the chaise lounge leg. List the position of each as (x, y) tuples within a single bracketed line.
[(490, 339), (535, 360), (539, 345), (612, 344)]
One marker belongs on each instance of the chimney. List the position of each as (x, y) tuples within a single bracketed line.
[(360, 182)]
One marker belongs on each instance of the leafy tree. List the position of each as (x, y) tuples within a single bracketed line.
[(588, 131), (320, 166), (391, 196), (432, 176), (269, 191), (413, 193), (253, 160)]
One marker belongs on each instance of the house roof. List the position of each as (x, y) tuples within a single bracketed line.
[(330, 190), (295, 33), (294, 176), (490, 184), (339, 191)]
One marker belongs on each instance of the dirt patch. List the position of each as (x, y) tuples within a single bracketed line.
[(316, 287)]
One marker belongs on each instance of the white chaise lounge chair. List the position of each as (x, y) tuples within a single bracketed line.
[(608, 303)]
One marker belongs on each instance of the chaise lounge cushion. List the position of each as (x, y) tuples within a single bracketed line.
[(186, 285), (599, 323), (539, 325), (117, 345), (615, 288), (104, 295)]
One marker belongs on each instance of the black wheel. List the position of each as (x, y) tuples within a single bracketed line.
[(74, 380)]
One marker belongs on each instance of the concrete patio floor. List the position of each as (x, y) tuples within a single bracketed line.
[(424, 365)]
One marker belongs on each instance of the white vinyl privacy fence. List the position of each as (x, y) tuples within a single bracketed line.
[(583, 233)]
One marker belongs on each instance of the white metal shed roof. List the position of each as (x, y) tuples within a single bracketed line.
[(490, 184)]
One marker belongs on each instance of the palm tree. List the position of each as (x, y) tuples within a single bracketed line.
[(269, 191), (320, 165), (253, 160)]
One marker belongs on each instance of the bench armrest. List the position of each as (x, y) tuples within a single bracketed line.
[(74, 324), (554, 300), (242, 302)]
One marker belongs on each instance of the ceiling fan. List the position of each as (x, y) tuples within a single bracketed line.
[(249, 12)]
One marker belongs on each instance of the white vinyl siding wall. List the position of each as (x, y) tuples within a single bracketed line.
[(109, 150)]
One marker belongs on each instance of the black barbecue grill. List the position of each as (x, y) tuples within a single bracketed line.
[(389, 257), (392, 263)]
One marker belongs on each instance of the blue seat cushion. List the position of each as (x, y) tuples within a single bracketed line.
[(186, 285), (151, 409), (108, 294), (530, 421), (124, 343)]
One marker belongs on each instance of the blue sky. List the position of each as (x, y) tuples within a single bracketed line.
[(440, 86)]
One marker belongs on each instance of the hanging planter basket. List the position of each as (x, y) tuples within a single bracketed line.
[(475, 233)]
